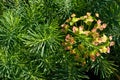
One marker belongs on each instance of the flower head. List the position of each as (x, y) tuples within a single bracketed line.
[(68, 47), (85, 17), (67, 37), (103, 49), (88, 14), (96, 14), (103, 25), (112, 43), (97, 54), (86, 33), (92, 57), (72, 40), (104, 38), (73, 15), (94, 30), (81, 28), (108, 49), (110, 37), (99, 22), (72, 51), (74, 29), (68, 20)]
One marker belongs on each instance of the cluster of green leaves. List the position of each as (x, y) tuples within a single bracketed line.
[(27, 43), (30, 39)]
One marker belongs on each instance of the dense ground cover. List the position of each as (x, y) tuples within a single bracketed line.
[(59, 39)]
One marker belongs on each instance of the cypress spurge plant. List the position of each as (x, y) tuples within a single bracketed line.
[(30, 41), (85, 41)]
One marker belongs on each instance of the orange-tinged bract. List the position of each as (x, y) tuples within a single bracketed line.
[(74, 29), (99, 22), (68, 47), (94, 30), (112, 43), (104, 25), (92, 57), (97, 54), (108, 49), (86, 43)]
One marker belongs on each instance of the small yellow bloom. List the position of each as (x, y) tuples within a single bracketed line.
[(73, 15), (88, 14), (104, 38), (103, 49), (81, 28), (86, 33), (96, 14), (110, 37)]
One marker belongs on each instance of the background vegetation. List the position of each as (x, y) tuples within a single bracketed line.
[(31, 37)]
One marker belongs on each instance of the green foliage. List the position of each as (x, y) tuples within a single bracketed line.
[(10, 28), (31, 37), (104, 72)]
